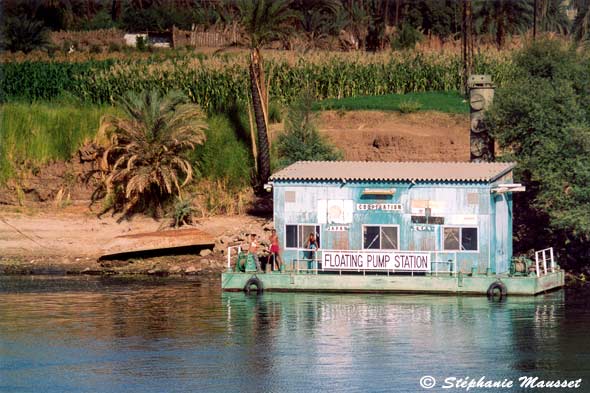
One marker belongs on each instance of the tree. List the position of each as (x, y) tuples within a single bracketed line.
[(541, 119), (262, 22), (581, 26), (144, 161), (503, 17), (434, 16), (301, 139), (552, 16), (23, 34), (318, 18)]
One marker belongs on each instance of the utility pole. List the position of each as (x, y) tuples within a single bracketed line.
[(467, 43)]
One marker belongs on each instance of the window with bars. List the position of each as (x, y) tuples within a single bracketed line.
[(380, 237)]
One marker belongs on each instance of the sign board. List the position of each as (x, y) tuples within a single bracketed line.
[(335, 211), (462, 219), (395, 207), (376, 260), (418, 207), (337, 228), (423, 228)]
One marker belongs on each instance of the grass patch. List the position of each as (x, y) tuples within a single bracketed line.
[(448, 102), (37, 133), (225, 154)]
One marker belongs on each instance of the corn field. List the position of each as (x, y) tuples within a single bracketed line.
[(218, 82)]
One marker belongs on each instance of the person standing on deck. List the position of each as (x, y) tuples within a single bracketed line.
[(275, 250), (311, 244), (253, 250)]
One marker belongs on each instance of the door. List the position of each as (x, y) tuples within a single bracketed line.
[(501, 234)]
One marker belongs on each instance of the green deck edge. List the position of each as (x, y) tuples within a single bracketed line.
[(473, 285)]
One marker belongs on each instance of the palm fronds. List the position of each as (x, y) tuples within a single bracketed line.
[(144, 161)]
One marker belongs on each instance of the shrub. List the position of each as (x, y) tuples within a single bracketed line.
[(407, 38), (141, 43), (409, 106), (274, 112), (226, 154), (182, 213), (94, 48), (301, 139), (114, 47)]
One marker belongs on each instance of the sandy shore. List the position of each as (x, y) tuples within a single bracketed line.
[(44, 240)]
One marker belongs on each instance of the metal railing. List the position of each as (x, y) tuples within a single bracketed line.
[(541, 259)]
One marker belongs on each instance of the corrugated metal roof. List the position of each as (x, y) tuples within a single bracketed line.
[(393, 171)]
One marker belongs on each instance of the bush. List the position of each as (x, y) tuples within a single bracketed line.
[(274, 113), (102, 20), (301, 139), (182, 213), (407, 38), (114, 47), (225, 154), (141, 43), (409, 106), (94, 48)]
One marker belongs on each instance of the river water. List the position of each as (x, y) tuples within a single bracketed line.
[(90, 334)]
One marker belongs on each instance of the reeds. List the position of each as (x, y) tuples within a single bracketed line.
[(34, 134)]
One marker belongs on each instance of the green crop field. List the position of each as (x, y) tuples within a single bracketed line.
[(448, 102)]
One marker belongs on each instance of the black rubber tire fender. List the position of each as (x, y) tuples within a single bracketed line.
[(253, 281), (498, 285)]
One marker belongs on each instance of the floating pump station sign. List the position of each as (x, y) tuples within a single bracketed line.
[(381, 260)]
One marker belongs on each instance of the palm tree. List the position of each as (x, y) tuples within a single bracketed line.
[(144, 161), (581, 26), (317, 18), (262, 22), (23, 34), (503, 17), (552, 16)]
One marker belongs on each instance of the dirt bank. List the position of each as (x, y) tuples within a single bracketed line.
[(55, 232), (391, 136), (70, 240)]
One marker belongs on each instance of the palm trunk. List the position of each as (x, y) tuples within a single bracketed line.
[(259, 101)]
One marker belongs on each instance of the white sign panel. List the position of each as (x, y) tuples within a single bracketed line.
[(395, 207), (418, 207), (462, 219), (376, 260), (335, 211)]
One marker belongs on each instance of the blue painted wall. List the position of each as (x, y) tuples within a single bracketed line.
[(456, 202)]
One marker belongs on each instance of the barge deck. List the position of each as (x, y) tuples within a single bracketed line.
[(464, 284)]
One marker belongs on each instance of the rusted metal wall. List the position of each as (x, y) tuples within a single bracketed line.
[(459, 204)]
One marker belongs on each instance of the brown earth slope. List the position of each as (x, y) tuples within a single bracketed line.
[(390, 136)]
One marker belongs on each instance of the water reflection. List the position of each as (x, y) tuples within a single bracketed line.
[(90, 334)]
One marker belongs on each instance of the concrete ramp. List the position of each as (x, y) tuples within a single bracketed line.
[(157, 241)]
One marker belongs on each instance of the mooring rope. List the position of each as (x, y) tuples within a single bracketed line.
[(23, 234)]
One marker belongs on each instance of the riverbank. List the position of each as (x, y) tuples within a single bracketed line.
[(70, 240)]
